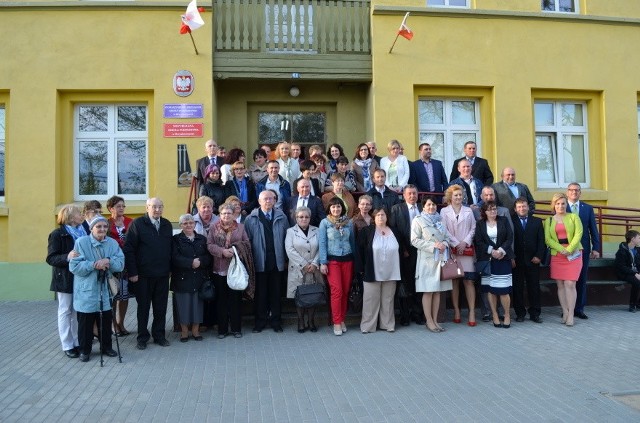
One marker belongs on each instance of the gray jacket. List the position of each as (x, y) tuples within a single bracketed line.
[(255, 231)]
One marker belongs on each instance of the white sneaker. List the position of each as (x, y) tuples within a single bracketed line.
[(337, 330)]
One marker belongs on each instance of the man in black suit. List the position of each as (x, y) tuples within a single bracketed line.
[(382, 195), (508, 190), (428, 174), (373, 150), (400, 219), (479, 167), (305, 199), (529, 248), (211, 148)]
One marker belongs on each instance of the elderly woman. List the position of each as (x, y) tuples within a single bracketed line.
[(397, 167), (190, 262), (234, 155), (289, 167), (363, 218), (237, 208), (379, 260), (340, 192), (461, 225), (59, 253), (337, 253), (258, 170), (301, 244), (204, 218), (118, 226), (213, 187), (242, 186), (342, 169), (562, 234), (226, 233), (431, 239), (493, 240), (363, 167), (98, 255)]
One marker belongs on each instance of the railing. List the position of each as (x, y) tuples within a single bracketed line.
[(292, 26)]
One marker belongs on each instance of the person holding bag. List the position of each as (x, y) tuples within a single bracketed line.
[(190, 262), (493, 240), (302, 247), (222, 236), (431, 239)]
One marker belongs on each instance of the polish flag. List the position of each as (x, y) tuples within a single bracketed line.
[(404, 29), (191, 20)]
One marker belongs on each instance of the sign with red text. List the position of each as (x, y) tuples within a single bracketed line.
[(183, 130)]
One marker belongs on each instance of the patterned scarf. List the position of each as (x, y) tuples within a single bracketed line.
[(365, 165), (222, 233), (339, 222), (75, 232)]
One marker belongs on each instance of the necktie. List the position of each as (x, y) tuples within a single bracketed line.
[(574, 208), (524, 223), (156, 223), (212, 160), (304, 201), (268, 216)]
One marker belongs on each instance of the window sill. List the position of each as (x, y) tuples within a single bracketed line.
[(588, 194), (4, 209)]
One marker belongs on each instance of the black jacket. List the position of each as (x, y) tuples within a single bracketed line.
[(147, 252), (364, 258), (230, 189), (529, 242), (387, 201), (626, 266), (60, 244), (215, 192), (183, 277), (504, 239)]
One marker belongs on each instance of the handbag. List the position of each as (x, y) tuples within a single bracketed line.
[(207, 291), (355, 294), (450, 269), (483, 267), (237, 276), (113, 284), (401, 289), (469, 250), (311, 292)]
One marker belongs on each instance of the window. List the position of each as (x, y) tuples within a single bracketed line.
[(447, 125), (110, 151), (2, 138), (303, 128), (562, 6), (561, 144), (448, 3)]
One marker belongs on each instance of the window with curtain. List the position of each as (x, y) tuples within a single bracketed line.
[(110, 151), (561, 6), (447, 124), (561, 144)]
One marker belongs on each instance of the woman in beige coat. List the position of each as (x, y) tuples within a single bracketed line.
[(301, 245), (431, 239)]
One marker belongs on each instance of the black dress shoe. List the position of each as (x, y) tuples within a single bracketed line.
[(536, 319), (257, 329), (520, 319), (632, 309), (110, 353), (141, 345), (277, 328), (486, 318), (84, 357), (580, 315), (162, 342), (72, 353)]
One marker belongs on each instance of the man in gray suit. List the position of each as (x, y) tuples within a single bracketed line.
[(508, 191)]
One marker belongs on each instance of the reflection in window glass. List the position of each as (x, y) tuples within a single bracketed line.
[(93, 119), (544, 114), (545, 159), (450, 3), (566, 6), (132, 118), (459, 140), (571, 114), (463, 112), (574, 156), (93, 167), (436, 140), (431, 112), (132, 165), (300, 127)]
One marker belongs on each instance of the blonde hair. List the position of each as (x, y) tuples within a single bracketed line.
[(448, 194), (65, 213), (204, 200), (394, 143), (280, 145), (557, 196)]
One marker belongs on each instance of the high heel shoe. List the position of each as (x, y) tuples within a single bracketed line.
[(457, 320), (301, 326), (472, 324), (497, 325)]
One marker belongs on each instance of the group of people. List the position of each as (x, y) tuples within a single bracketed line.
[(293, 221)]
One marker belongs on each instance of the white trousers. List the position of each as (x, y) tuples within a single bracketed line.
[(67, 321)]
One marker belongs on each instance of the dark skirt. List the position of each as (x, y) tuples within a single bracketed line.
[(189, 306)]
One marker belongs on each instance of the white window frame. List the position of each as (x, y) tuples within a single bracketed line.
[(449, 130), (3, 126), (112, 136), (446, 4), (576, 7), (557, 132)]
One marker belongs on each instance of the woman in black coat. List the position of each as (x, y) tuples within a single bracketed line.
[(190, 266), (213, 187), (59, 253), (242, 187)]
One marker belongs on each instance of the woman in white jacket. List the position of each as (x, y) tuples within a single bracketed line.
[(397, 167), (431, 239)]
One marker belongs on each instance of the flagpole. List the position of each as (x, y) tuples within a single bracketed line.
[(404, 21), (394, 43), (194, 43)]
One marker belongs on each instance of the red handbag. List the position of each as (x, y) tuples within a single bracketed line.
[(469, 250)]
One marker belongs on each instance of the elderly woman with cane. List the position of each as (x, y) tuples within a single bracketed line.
[(98, 256)]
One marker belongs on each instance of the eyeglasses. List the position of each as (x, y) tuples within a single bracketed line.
[(156, 207), (303, 217), (492, 210)]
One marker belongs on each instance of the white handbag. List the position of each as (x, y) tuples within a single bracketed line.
[(237, 276)]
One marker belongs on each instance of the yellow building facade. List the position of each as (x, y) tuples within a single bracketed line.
[(551, 93)]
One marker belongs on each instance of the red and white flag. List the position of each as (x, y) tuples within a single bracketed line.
[(404, 30), (191, 20)]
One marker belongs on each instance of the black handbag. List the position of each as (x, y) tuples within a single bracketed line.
[(355, 294), (401, 289), (312, 292), (207, 291), (483, 267)]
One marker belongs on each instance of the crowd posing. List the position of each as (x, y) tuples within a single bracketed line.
[(292, 222)]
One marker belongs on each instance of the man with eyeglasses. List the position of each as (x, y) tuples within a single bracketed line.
[(373, 150), (266, 228), (147, 250), (590, 243), (211, 149)]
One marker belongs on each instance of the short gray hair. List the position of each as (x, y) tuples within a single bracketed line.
[(185, 218)]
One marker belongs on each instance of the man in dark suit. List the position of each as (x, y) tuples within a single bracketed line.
[(590, 243), (529, 248), (400, 219), (373, 149), (509, 190), (305, 199), (479, 167), (211, 148), (382, 195), (471, 187), (427, 174)]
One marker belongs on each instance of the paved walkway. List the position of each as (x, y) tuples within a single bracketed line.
[(531, 372)]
